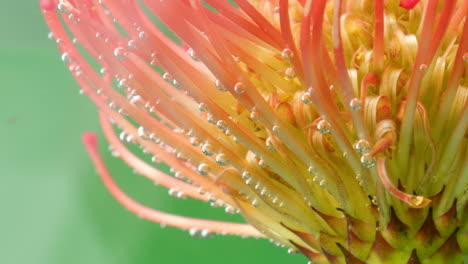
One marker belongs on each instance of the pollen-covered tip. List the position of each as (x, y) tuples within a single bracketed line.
[(408, 4), (47, 5)]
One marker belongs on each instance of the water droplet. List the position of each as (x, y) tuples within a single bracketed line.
[(221, 124), (142, 35), (123, 84), (239, 88), (355, 104), (66, 58), (220, 86), (221, 159), (368, 161), (103, 71), (311, 170), (202, 107), (323, 183), (323, 126), (316, 179), (192, 54), (73, 18), (132, 44), (306, 98), (120, 53), (210, 118), (269, 144), (262, 163), (229, 210), (289, 72), (423, 67), (50, 35), (207, 149), (246, 175), (142, 133), (168, 77), (203, 169), (287, 54), (275, 129), (255, 203), (63, 7), (362, 146), (254, 115), (465, 57)]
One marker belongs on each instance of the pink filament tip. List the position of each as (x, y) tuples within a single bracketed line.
[(47, 5), (409, 4), (89, 139)]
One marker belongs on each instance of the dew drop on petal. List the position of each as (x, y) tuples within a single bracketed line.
[(368, 161), (287, 54), (203, 169), (142, 35), (207, 149), (355, 104), (120, 53), (306, 98), (290, 74), (221, 159), (323, 126), (132, 44), (275, 129), (221, 124), (269, 144), (423, 67), (220, 86), (66, 58), (239, 88), (168, 77), (362, 146)]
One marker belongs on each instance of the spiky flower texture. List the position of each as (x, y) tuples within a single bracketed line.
[(337, 128)]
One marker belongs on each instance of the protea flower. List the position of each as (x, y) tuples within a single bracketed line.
[(336, 128)]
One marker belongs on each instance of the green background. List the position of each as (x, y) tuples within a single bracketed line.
[(54, 207)]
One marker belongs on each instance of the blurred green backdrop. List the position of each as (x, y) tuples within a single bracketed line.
[(54, 207)]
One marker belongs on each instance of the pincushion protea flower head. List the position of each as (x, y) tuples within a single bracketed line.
[(337, 128)]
